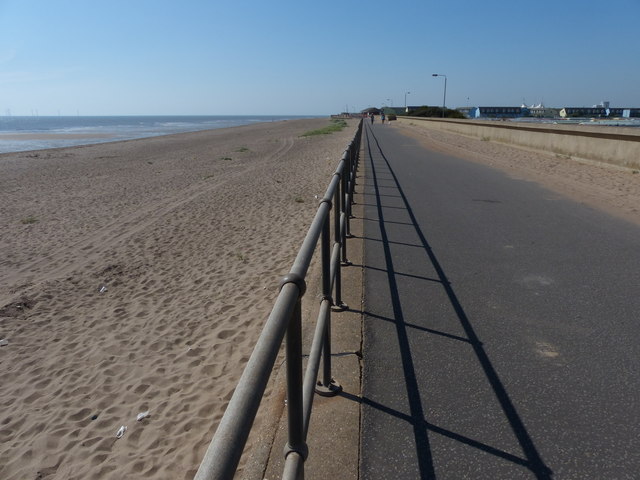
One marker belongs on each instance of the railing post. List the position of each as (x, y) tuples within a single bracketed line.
[(326, 295), (354, 166), (296, 442), (347, 192), (337, 235), (327, 387), (344, 218)]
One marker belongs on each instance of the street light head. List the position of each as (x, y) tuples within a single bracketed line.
[(434, 74)]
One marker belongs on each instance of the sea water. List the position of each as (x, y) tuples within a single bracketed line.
[(40, 132)]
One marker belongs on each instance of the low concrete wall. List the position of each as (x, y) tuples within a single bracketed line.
[(614, 145)]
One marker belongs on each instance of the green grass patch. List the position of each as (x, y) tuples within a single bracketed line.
[(243, 149), (336, 125), (30, 220), (226, 159)]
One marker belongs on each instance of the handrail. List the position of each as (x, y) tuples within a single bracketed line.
[(223, 454)]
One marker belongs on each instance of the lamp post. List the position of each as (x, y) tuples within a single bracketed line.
[(444, 101), (405, 101)]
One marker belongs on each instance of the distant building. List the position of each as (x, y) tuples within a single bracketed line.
[(466, 111), (599, 112), (629, 112), (540, 111), (568, 112), (495, 112), (394, 110), (345, 115), (411, 108)]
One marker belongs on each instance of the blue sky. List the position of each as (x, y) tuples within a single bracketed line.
[(312, 58)]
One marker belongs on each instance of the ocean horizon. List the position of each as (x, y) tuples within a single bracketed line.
[(26, 133)]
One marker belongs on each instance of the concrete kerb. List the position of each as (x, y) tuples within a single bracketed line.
[(334, 431)]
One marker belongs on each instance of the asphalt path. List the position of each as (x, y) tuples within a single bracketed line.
[(501, 336)]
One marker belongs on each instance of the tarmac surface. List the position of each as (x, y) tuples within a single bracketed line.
[(500, 325)]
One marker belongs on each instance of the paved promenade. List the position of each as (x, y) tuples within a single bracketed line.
[(501, 325)]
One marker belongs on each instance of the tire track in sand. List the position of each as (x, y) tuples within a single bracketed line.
[(92, 246)]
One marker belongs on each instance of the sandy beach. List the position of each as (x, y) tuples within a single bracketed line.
[(136, 276), (53, 136)]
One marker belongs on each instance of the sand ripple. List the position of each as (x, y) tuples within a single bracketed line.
[(141, 283)]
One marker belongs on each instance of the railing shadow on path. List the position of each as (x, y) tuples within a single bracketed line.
[(421, 427)]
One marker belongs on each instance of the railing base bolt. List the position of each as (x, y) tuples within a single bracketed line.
[(302, 450), (340, 307), (331, 390)]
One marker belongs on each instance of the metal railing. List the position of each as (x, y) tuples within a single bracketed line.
[(224, 451)]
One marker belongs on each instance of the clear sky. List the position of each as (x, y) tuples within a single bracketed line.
[(271, 57)]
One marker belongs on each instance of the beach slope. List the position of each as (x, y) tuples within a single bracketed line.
[(135, 277)]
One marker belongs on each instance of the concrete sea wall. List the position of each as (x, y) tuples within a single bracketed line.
[(615, 145)]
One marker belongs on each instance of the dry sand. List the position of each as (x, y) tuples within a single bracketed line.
[(615, 190), (137, 276)]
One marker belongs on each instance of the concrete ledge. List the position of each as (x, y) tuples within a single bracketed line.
[(614, 145)]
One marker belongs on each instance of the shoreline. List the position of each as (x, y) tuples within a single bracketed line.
[(52, 136), (19, 134)]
